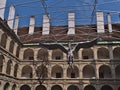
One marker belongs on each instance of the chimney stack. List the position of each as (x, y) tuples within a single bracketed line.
[(46, 24), (71, 23), (16, 24), (32, 25), (100, 22), (109, 22), (2, 6), (11, 16)]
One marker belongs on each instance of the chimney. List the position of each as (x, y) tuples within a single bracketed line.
[(109, 22), (71, 23), (16, 24), (11, 16), (32, 25), (2, 8), (46, 24), (100, 22)]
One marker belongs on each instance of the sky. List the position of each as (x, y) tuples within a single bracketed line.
[(58, 10)]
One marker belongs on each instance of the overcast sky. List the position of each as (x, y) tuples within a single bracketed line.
[(58, 10)]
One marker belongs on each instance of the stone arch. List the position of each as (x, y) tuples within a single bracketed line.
[(25, 87), (73, 72), (28, 54), (14, 87), (1, 62), (27, 71), (18, 51), (8, 69), (87, 53), (3, 40), (56, 87), (88, 71), (15, 70), (57, 71), (89, 87), (105, 72), (106, 87), (6, 86), (40, 87), (11, 48), (117, 71), (57, 54), (116, 53), (42, 54), (103, 53), (72, 87)]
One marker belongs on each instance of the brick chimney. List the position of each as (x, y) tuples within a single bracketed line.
[(16, 24), (109, 22), (31, 25)]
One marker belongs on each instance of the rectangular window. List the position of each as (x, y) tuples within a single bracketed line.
[(58, 75), (72, 75)]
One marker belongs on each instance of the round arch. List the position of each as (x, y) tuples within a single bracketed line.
[(117, 71), (56, 87), (116, 53), (40, 87), (72, 87), (57, 71), (14, 87), (6, 86), (28, 54), (57, 54), (73, 72), (88, 71), (3, 40), (27, 72), (106, 87), (1, 62), (103, 53), (8, 69), (87, 53), (105, 72), (89, 87), (25, 87), (42, 54)]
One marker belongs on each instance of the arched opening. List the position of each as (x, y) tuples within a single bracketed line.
[(27, 72), (57, 72), (56, 87), (73, 72), (15, 70), (40, 87), (73, 87), (3, 40), (14, 87), (11, 48), (88, 72), (42, 54), (117, 71), (87, 54), (103, 53), (1, 62), (9, 64), (105, 72), (57, 54), (116, 53), (18, 51), (28, 54), (89, 87), (106, 87), (25, 87), (6, 86)]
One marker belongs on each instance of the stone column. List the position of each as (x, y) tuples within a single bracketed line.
[(2, 85), (64, 71), (19, 71), (109, 22), (5, 65), (12, 69), (49, 54), (8, 43), (80, 54), (95, 53), (97, 72), (15, 49), (49, 71), (113, 71), (111, 52), (35, 54), (0, 34), (80, 72)]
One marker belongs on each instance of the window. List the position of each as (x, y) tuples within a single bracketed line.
[(58, 57), (72, 75), (31, 58), (85, 57), (58, 75)]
